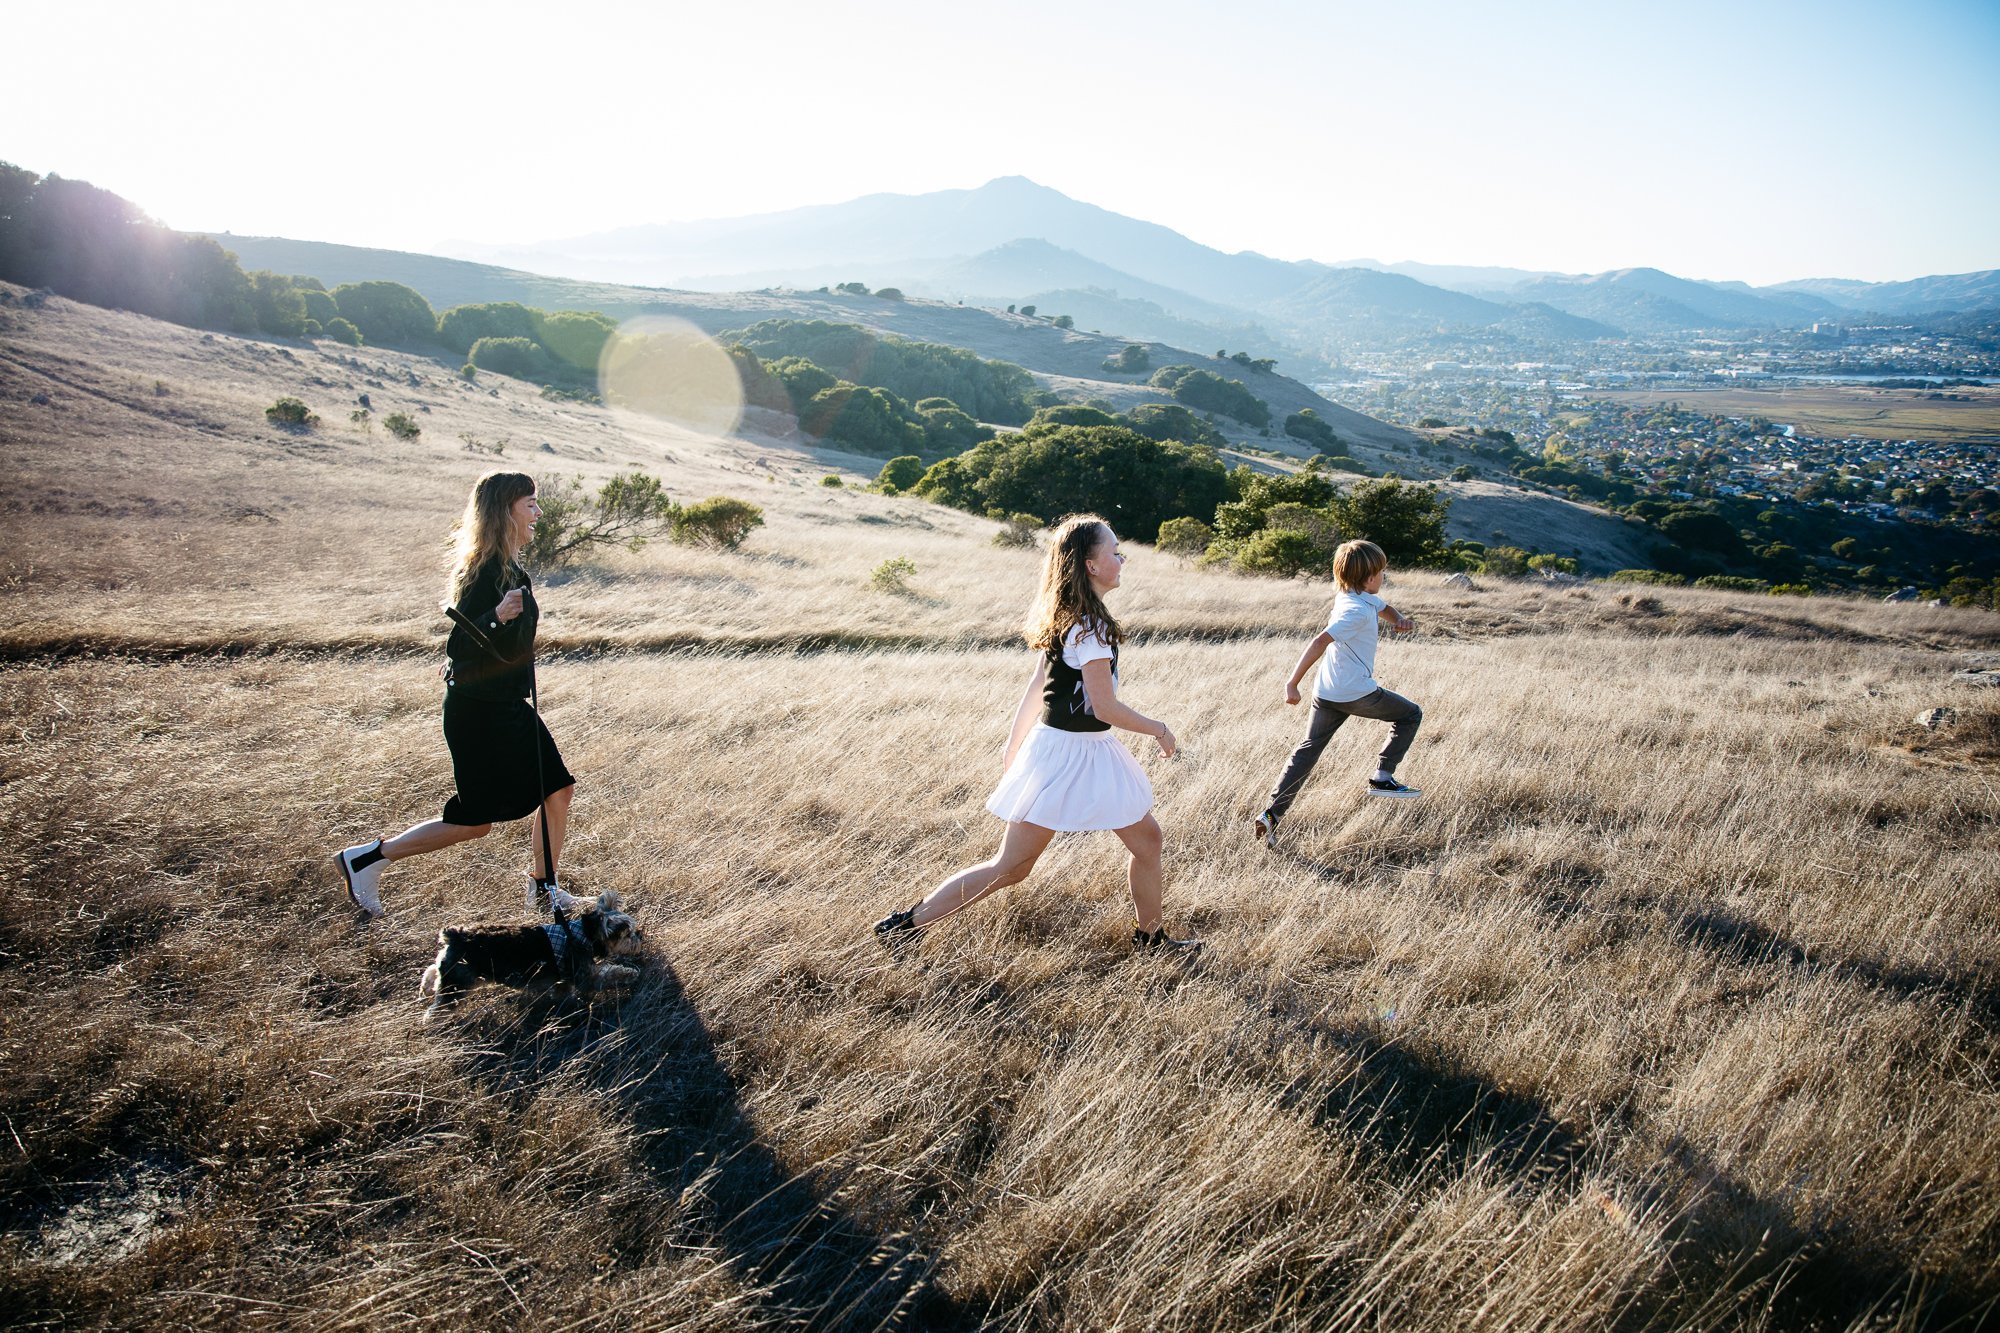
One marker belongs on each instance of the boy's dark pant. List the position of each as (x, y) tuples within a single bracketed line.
[(1383, 706)]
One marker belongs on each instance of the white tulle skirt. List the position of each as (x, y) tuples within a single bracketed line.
[(1072, 781)]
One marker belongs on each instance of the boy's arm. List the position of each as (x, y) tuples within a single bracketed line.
[(1307, 661), (1399, 622)]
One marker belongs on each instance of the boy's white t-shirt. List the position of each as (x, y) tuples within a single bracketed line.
[(1347, 671)]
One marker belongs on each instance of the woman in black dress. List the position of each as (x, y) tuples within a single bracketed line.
[(489, 725)]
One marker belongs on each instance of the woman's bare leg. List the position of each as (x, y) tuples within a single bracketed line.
[(1020, 847), (430, 836), (1145, 842), (557, 806)]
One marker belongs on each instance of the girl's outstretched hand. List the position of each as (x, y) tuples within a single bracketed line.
[(1168, 745)]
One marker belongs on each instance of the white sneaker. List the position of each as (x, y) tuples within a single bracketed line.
[(1393, 789), (361, 884), (541, 898), (1267, 829)]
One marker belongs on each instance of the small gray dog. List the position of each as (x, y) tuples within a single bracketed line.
[(572, 952)]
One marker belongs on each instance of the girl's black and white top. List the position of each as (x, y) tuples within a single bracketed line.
[(1072, 773)]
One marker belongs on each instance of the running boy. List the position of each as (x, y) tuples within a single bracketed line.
[(1345, 686)]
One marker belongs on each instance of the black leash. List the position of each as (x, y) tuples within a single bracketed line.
[(478, 637)]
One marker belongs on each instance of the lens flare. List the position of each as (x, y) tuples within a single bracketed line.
[(670, 370)]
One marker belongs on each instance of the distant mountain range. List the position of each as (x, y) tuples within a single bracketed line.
[(1012, 241)]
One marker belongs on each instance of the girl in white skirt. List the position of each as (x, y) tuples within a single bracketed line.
[(1066, 771)]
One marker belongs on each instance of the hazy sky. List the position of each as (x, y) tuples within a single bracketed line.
[(1741, 139)]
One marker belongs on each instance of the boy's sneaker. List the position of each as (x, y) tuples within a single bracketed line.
[(1392, 788), (897, 931), (361, 883), (1267, 829), (1160, 942)]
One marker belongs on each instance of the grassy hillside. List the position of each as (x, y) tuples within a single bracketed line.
[(1674, 1003), (1069, 360)]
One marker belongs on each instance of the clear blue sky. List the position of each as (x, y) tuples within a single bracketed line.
[(1751, 140)]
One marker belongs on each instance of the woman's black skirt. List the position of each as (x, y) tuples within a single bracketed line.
[(493, 747)]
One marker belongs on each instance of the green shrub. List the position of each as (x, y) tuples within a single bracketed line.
[(279, 308), (628, 510), (522, 358), (1654, 576), (801, 378), (464, 325), (1073, 414), (1504, 562), (402, 426), (893, 574), (1208, 392), (833, 480), (1552, 564), (1185, 537), (576, 338), (1055, 470), (913, 371), (899, 474), (1283, 552), (1405, 519), (1731, 583), (319, 306), (720, 521), (1133, 360), (1171, 421), (862, 419), (1064, 322), (387, 312), (290, 412), (1791, 590), (1018, 530), (1306, 425), (889, 293), (1463, 472), (946, 429)]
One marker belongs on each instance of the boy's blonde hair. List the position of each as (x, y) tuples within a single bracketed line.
[(1357, 562)]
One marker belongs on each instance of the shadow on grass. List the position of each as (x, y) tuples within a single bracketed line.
[(1421, 1113), (1742, 940), (798, 1257)]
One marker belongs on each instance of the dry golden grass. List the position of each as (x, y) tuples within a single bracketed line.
[(1674, 1003)]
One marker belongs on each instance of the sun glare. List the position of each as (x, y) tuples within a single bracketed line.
[(668, 369)]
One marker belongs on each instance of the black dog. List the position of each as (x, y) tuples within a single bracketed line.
[(572, 952)]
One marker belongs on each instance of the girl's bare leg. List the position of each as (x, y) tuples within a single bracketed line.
[(1145, 842), (1021, 846)]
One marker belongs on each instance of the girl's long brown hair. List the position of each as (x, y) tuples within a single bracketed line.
[(484, 531), (1065, 598)]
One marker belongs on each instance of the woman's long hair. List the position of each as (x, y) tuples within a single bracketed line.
[(485, 530), (1065, 598)]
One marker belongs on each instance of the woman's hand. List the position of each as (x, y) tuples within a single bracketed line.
[(1291, 692), (1405, 625), (510, 606), (1168, 745)]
